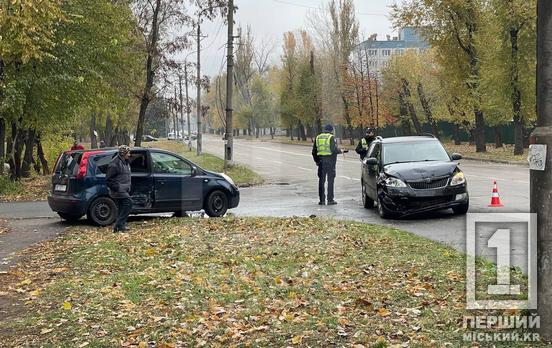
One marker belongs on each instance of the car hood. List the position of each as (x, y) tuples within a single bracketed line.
[(414, 171)]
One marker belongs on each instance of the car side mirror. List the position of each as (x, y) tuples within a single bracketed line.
[(195, 172), (372, 161), (456, 157)]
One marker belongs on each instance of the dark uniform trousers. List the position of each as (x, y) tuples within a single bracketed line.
[(326, 169)]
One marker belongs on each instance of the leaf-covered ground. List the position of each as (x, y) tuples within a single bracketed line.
[(236, 282), (34, 188)]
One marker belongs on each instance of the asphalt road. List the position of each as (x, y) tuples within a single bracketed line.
[(293, 191)]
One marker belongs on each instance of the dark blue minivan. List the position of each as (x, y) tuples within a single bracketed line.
[(161, 182)]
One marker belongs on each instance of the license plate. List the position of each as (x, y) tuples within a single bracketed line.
[(60, 188)]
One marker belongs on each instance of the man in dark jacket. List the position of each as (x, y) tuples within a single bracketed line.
[(364, 143), (324, 153), (118, 182)]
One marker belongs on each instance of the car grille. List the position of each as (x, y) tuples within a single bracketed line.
[(427, 202), (433, 184)]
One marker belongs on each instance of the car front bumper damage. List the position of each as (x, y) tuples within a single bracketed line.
[(407, 201)]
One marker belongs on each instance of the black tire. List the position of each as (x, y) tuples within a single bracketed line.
[(216, 204), (102, 211), (383, 212), (461, 209), (367, 202), (69, 217)]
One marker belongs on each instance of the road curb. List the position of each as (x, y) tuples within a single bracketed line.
[(495, 161)]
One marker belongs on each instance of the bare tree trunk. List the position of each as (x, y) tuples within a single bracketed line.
[(403, 111), (410, 106), (457, 134), (28, 154), (41, 157), (150, 74), (2, 142), (93, 138), (427, 110), (19, 143), (497, 137), (516, 94)]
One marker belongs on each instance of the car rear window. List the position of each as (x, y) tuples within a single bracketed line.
[(68, 163)]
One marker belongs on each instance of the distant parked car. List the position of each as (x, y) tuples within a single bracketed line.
[(150, 138), (409, 175), (161, 182), (171, 136)]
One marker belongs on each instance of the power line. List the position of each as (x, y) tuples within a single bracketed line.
[(318, 8)]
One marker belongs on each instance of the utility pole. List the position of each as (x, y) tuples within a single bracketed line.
[(187, 106), (181, 107), (229, 135), (176, 115), (199, 115), (541, 181)]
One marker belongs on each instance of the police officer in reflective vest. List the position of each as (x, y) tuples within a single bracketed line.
[(324, 153), (364, 143)]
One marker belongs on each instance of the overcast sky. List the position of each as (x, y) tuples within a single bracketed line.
[(269, 19)]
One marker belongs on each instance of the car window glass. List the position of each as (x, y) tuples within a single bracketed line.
[(102, 162), (168, 164), (415, 152), (138, 162), (68, 163)]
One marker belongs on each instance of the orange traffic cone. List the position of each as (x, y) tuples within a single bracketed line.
[(495, 199)]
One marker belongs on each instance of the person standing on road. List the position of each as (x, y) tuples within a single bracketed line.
[(324, 153), (364, 143), (118, 182)]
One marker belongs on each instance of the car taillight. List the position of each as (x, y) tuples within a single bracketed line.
[(83, 166)]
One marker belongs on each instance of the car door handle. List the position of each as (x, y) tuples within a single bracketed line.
[(161, 181)]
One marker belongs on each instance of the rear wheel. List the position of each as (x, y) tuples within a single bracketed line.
[(102, 211), (69, 217), (367, 202), (216, 204)]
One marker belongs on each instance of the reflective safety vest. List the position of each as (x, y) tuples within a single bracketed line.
[(364, 144), (323, 144)]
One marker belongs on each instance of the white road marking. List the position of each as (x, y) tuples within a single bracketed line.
[(305, 169), (278, 162), (348, 178), (495, 178)]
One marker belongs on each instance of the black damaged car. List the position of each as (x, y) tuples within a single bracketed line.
[(410, 175)]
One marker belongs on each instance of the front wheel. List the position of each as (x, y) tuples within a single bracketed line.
[(383, 212), (367, 202), (216, 204), (102, 211), (69, 217)]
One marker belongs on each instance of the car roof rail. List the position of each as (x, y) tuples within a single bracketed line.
[(428, 135)]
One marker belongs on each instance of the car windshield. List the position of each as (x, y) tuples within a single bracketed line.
[(418, 151)]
